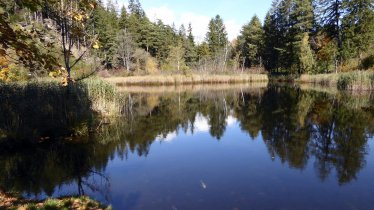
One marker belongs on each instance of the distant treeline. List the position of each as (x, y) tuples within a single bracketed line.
[(297, 36)]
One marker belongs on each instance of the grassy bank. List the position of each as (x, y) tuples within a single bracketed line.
[(14, 202), (97, 95), (46, 109), (187, 79), (104, 97), (353, 81), (190, 88)]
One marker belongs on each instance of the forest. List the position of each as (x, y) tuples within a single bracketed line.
[(74, 39)]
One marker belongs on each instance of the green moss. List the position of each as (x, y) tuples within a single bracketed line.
[(18, 202)]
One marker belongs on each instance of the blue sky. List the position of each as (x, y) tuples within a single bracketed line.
[(234, 12)]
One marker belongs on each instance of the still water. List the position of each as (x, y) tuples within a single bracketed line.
[(238, 148)]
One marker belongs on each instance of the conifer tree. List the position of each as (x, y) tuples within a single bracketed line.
[(191, 52), (250, 43), (123, 18), (272, 40), (216, 36), (190, 36), (331, 18), (302, 18), (182, 32), (358, 27)]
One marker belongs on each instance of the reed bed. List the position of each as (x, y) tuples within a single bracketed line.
[(187, 79), (357, 81), (191, 88), (48, 109), (104, 97), (353, 81), (320, 79)]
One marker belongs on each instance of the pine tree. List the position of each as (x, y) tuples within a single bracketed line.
[(216, 38), (123, 18), (285, 46), (140, 27), (109, 29), (190, 36), (286, 27), (273, 39), (136, 9), (250, 43), (163, 38), (305, 56), (330, 18), (302, 19), (182, 32), (217, 35), (358, 27), (189, 45), (268, 51), (105, 25)]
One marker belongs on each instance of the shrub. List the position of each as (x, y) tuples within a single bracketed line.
[(368, 62)]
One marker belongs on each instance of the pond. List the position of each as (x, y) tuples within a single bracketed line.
[(275, 147)]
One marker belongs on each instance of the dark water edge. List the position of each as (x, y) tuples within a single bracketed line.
[(277, 147)]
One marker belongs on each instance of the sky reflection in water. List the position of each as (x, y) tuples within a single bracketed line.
[(274, 148)]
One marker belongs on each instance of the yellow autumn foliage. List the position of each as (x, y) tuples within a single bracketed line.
[(55, 73), (10, 72), (151, 66), (65, 81), (4, 69), (78, 17), (96, 45)]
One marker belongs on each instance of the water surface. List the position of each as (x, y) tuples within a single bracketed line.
[(237, 148)]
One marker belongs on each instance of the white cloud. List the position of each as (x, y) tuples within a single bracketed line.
[(169, 138), (201, 124), (161, 13), (231, 121), (199, 22), (233, 29)]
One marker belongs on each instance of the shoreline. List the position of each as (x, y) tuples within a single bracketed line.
[(351, 81), (348, 81), (191, 87), (13, 201), (170, 80)]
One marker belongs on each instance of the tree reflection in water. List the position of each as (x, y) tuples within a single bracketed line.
[(297, 126)]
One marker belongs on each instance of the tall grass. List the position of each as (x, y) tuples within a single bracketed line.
[(47, 109), (191, 88), (320, 79), (355, 80), (187, 79), (104, 97)]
